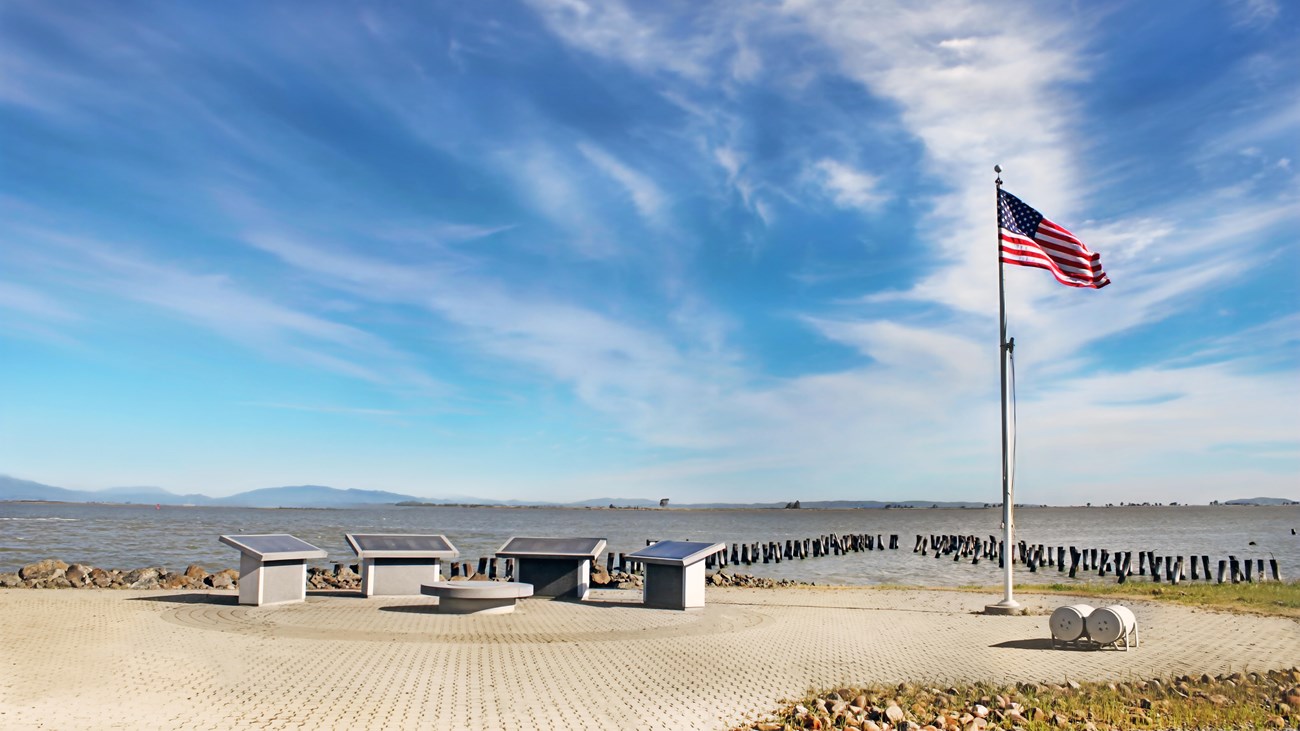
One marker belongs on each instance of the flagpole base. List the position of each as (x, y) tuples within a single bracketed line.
[(1005, 608)]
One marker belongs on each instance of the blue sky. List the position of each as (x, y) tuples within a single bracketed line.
[(707, 251)]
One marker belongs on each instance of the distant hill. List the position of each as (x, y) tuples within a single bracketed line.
[(828, 504), (320, 496), (311, 496), (1261, 501), (617, 502), (300, 496), (12, 488)]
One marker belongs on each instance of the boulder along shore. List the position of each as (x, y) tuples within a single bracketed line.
[(55, 574)]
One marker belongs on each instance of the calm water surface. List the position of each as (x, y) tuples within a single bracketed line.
[(133, 536)]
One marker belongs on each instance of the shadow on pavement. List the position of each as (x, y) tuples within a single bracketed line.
[(229, 600), (1038, 643), (412, 609)]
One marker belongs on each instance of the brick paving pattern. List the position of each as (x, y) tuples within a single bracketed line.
[(160, 660)]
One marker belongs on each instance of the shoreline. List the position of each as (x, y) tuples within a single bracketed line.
[(669, 508)]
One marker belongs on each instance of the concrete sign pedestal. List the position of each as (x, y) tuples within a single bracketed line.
[(554, 566), (398, 564), (272, 568), (674, 573)]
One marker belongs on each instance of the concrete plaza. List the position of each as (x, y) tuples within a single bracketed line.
[(75, 659)]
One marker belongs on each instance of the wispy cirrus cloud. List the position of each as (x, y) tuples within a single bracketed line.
[(645, 194), (216, 302), (33, 303)]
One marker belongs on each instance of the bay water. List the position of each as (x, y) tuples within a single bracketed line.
[(133, 536)]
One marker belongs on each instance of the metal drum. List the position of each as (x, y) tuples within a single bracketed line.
[(1069, 622), (1110, 624)]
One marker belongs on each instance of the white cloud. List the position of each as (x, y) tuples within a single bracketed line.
[(1255, 13), (747, 64), (612, 30), (556, 191), (847, 186), (647, 196)]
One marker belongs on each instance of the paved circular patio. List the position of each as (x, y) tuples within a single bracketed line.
[(117, 659)]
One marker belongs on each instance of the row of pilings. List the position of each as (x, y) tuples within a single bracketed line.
[(1120, 564), (776, 551), (831, 544), (739, 554)]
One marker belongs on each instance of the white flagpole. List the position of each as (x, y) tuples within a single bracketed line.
[(1008, 605)]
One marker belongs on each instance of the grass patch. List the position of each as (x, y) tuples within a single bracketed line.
[(1272, 598), (1238, 701)]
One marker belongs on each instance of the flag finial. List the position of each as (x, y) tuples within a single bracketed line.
[(998, 169)]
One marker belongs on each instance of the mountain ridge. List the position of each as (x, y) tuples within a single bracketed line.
[(323, 496)]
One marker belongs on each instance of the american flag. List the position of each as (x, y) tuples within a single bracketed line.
[(1030, 240)]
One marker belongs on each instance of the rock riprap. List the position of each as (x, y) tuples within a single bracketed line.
[(54, 574)]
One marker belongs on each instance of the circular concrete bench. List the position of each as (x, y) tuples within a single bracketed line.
[(477, 597)]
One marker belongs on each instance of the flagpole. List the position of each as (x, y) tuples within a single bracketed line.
[(1008, 605)]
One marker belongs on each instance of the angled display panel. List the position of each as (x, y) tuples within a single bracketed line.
[(401, 544), (553, 547), (678, 553)]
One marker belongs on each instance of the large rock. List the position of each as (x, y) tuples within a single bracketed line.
[(175, 581), (43, 570), (77, 574), (195, 573), (9, 581), (146, 578), (219, 580), (100, 578)]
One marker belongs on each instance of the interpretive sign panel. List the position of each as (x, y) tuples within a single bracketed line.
[(552, 547), (676, 552), (401, 545), (274, 546)]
